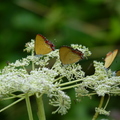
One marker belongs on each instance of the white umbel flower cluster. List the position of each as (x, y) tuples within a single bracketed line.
[(102, 81), (30, 75)]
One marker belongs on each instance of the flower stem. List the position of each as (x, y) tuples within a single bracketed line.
[(100, 105), (41, 112), (33, 66), (107, 102), (59, 78), (11, 104), (28, 107), (14, 96), (70, 82), (69, 87)]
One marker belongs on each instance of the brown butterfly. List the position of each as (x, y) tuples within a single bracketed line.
[(68, 55), (110, 57), (43, 45)]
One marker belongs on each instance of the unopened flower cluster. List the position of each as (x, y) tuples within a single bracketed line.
[(31, 75)]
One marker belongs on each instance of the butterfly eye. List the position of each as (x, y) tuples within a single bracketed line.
[(68, 55), (42, 45), (110, 57)]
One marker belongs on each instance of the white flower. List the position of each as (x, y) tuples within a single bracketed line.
[(62, 101), (83, 49), (102, 81), (29, 46), (30, 75), (102, 89), (81, 91), (20, 63), (102, 111), (72, 71)]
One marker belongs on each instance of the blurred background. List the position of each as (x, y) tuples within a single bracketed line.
[(92, 23)]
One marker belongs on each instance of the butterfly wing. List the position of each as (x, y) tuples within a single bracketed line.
[(68, 55), (41, 45), (118, 73), (110, 57)]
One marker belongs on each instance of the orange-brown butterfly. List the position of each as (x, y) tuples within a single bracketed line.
[(68, 55), (110, 57), (43, 45)]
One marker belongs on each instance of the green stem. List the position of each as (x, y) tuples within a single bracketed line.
[(59, 78), (107, 102), (69, 87), (11, 104), (28, 107), (13, 96), (100, 105), (41, 112), (33, 66), (71, 82)]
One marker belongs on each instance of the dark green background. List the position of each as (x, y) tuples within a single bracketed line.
[(92, 23)]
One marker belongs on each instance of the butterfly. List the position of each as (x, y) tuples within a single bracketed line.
[(42, 45), (110, 57), (68, 55)]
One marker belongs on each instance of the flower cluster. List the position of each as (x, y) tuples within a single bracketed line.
[(101, 82), (31, 75), (83, 49), (102, 111)]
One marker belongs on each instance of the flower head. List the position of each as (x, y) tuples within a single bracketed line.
[(102, 81), (30, 75)]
